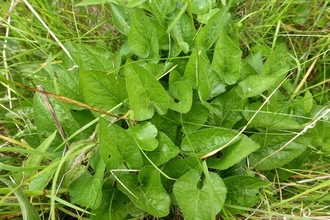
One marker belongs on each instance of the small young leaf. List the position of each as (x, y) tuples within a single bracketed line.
[(164, 152), (194, 119), (180, 96), (145, 92), (226, 59), (120, 18), (206, 140), (194, 201), (201, 6), (146, 191), (142, 37), (145, 135), (308, 101), (270, 145), (183, 32), (242, 191), (118, 149)]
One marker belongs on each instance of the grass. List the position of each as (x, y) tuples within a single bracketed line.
[(303, 25)]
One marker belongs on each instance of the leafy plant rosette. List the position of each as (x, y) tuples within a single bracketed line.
[(189, 128)]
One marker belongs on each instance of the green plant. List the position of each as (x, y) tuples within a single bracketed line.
[(186, 117)]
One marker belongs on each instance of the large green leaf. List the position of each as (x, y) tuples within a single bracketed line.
[(226, 109), (242, 191), (102, 90), (197, 197), (96, 58), (233, 154), (272, 155), (270, 117), (210, 33), (86, 190), (255, 85), (206, 140), (118, 149), (145, 92), (181, 95), (142, 37), (28, 211), (146, 191), (226, 59), (277, 63)]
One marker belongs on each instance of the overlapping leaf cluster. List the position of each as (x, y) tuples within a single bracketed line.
[(182, 78)]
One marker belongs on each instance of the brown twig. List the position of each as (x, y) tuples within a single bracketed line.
[(53, 114)]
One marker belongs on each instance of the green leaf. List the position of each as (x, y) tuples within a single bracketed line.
[(93, 2), (102, 90), (271, 155), (96, 58), (118, 149), (28, 211), (192, 193), (233, 154), (86, 190), (142, 37), (146, 191), (183, 31), (255, 85), (255, 60), (308, 101), (226, 59), (210, 33), (242, 191), (145, 92), (164, 152), (206, 140), (114, 206), (120, 18), (134, 3), (205, 17), (226, 109), (270, 117), (145, 135), (42, 179), (194, 119), (45, 123), (180, 96), (200, 6), (209, 82), (34, 159), (277, 63)]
